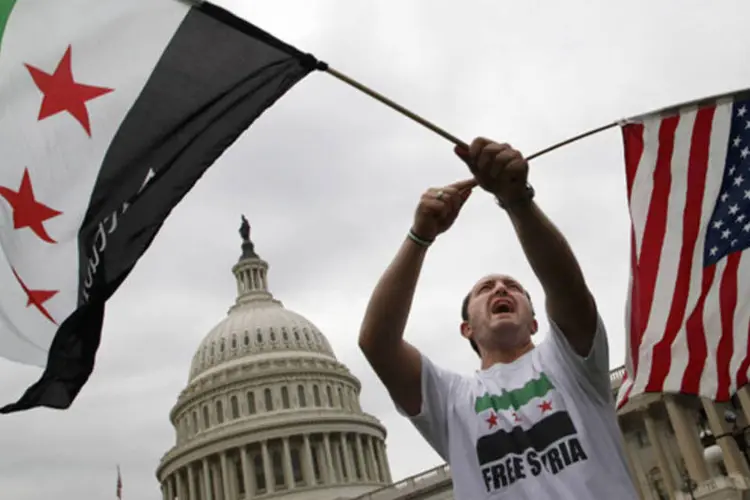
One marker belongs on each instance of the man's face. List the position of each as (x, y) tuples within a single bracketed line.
[(500, 314)]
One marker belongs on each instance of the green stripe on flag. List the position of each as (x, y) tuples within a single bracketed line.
[(516, 398), (6, 6)]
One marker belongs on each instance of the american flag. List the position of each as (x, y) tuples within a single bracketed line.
[(688, 312), (119, 484)]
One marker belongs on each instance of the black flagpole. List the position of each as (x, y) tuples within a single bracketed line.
[(441, 132)]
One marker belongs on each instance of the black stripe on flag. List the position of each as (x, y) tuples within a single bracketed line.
[(217, 75), (540, 436)]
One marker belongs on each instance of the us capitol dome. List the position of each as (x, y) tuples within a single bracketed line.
[(268, 410)]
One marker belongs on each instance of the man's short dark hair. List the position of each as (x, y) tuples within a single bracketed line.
[(465, 315)]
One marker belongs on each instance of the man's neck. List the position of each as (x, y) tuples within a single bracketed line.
[(505, 356)]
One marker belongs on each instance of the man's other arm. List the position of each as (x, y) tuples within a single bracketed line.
[(397, 363), (569, 302)]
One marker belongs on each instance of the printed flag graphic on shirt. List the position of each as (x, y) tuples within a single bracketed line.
[(112, 110), (550, 422), (688, 314), (525, 432)]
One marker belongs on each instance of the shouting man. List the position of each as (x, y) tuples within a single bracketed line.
[(534, 422)]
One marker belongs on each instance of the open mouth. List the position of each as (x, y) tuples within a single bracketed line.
[(501, 306)]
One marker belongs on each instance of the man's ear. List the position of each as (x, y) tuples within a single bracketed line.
[(465, 330), (534, 326)]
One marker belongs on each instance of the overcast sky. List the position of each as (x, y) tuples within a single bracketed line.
[(329, 179)]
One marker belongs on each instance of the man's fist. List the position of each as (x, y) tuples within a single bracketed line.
[(439, 207), (498, 168)]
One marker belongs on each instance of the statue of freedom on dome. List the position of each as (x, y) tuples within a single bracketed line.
[(245, 229)]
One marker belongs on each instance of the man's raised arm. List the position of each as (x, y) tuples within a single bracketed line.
[(396, 362), (568, 300)]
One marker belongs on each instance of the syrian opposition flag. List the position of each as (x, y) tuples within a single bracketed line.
[(110, 111)]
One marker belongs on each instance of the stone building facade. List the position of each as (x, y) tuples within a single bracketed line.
[(686, 447)]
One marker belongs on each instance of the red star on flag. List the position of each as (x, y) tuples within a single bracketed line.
[(37, 298), (27, 212), (62, 93), (492, 420), (545, 406)]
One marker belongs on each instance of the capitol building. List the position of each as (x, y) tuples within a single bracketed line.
[(270, 413)]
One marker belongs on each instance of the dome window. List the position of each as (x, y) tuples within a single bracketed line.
[(316, 395), (238, 472), (260, 476), (278, 469), (219, 412), (296, 467), (285, 398), (259, 337), (268, 400), (213, 349), (235, 407), (296, 334), (206, 420), (234, 341), (251, 403), (357, 465), (307, 335), (301, 396), (247, 339), (329, 393), (221, 346), (316, 467), (272, 335), (342, 459), (284, 334)]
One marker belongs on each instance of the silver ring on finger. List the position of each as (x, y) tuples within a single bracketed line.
[(440, 194)]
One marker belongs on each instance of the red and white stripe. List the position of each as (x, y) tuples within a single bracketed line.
[(687, 332)]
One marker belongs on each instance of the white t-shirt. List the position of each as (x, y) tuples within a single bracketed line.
[(542, 427)]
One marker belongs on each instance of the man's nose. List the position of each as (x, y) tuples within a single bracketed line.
[(501, 289)]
